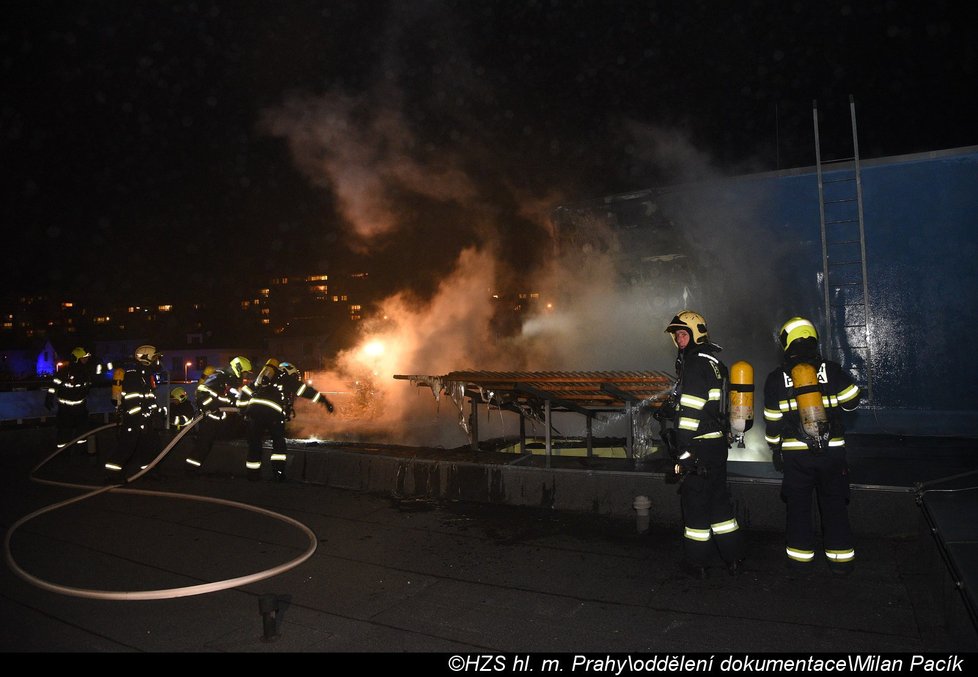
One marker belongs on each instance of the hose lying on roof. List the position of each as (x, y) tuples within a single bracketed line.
[(118, 488)]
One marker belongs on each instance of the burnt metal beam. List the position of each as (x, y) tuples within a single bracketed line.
[(547, 397)]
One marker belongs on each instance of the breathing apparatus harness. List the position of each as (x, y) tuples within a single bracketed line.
[(804, 384)]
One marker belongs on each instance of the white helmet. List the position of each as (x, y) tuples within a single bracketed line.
[(147, 355)]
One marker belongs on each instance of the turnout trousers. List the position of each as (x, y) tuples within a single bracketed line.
[(708, 516), (827, 476), (208, 430), (137, 445), (263, 422), (72, 421)]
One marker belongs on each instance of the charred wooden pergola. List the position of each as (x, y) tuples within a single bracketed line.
[(539, 394)]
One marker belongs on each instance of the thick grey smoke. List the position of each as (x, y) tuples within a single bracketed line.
[(389, 173)]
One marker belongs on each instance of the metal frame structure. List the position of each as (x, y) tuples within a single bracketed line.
[(540, 394)]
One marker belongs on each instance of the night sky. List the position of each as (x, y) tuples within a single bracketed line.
[(159, 147)]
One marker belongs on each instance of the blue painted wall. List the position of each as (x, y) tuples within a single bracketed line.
[(755, 244), (921, 228)]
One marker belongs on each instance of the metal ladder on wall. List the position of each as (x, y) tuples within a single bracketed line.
[(844, 281)]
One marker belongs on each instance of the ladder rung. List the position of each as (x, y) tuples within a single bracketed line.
[(840, 285), (845, 305), (842, 242), (841, 159), (830, 223), (835, 202), (843, 263)]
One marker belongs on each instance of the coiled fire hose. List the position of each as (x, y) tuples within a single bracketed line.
[(118, 488)]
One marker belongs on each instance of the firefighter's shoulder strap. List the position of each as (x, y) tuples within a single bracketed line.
[(723, 411), (723, 377)]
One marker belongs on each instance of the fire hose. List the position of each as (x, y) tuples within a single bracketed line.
[(168, 593)]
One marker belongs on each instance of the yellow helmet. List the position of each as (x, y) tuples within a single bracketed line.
[(796, 328), (147, 354), (178, 395), (691, 322), (269, 371), (78, 353), (240, 365)]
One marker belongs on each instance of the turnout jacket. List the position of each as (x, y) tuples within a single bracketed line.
[(782, 422), (70, 387), (138, 396), (278, 394), (220, 390), (699, 395), (181, 414), (268, 398)]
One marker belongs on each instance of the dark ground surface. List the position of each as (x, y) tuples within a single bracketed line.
[(425, 576)]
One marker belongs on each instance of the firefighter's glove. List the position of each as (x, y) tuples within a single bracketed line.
[(49, 402), (329, 405), (777, 457), (685, 463), (665, 411)]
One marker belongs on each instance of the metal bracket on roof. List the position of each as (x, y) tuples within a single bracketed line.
[(530, 390)]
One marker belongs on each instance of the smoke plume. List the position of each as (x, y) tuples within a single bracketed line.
[(463, 228)]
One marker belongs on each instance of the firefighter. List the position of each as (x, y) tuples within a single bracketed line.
[(223, 390), (268, 410), (805, 400), (138, 412), (199, 393), (698, 442), (69, 390), (181, 409)]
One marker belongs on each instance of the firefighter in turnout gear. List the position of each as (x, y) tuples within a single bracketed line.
[(805, 400), (696, 427), (269, 408), (138, 412), (200, 393), (181, 409), (69, 390), (223, 390)]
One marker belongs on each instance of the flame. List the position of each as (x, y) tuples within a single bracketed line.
[(374, 348)]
